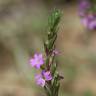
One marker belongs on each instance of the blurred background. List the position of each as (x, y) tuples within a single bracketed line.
[(23, 25)]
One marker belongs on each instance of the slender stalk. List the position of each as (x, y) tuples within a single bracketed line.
[(49, 78), (49, 46)]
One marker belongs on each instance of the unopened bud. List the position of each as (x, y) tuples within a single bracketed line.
[(47, 42), (49, 33)]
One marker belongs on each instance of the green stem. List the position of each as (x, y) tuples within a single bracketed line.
[(52, 87)]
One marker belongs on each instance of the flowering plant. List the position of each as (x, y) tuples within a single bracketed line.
[(87, 12), (49, 77)]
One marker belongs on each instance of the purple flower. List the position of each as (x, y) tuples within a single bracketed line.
[(37, 61), (46, 75), (87, 19), (89, 22), (92, 25), (84, 6), (43, 77), (39, 80)]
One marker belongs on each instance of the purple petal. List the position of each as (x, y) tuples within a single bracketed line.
[(40, 56), (37, 66), (39, 80), (84, 21), (92, 25), (32, 62), (37, 61), (35, 56), (47, 75), (84, 4)]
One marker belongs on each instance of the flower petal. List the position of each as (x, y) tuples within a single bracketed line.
[(39, 80), (47, 75), (32, 62), (37, 61)]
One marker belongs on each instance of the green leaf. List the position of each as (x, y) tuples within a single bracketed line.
[(52, 41), (54, 19)]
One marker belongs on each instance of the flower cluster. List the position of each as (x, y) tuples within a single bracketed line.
[(88, 16), (37, 61)]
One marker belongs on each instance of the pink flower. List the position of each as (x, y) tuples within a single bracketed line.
[(39, 80), (43, 77), (92, 25), (89, 21), (84, 6), (47, 75), (37, 61)]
